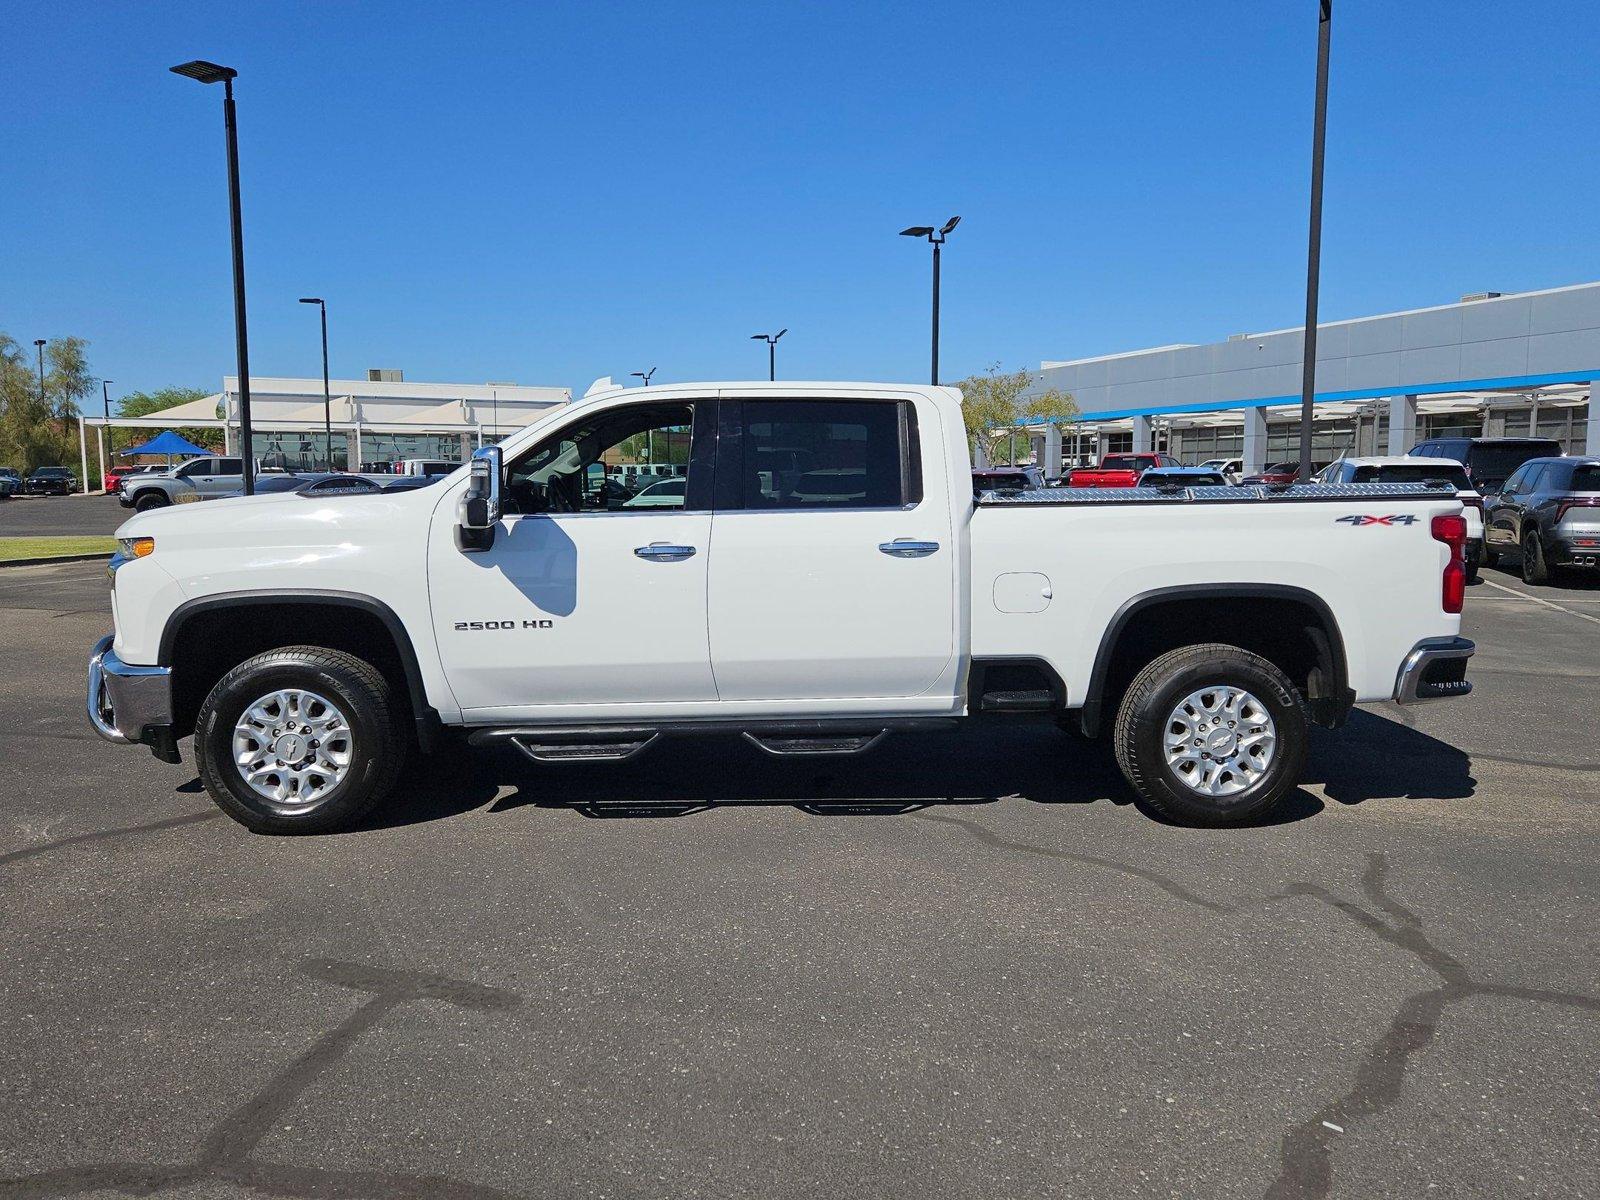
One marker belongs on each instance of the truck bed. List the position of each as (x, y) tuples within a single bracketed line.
[(1053, 569)]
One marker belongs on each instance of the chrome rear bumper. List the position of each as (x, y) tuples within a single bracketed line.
[(1435, 669), (129, 704)]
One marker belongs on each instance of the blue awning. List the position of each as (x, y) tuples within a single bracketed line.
[(166, 443)]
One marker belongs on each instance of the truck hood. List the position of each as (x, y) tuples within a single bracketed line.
[(280, 518)]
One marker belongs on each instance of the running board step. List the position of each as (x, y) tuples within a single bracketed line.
[(791, 745), (607, 746), (1024, 701)]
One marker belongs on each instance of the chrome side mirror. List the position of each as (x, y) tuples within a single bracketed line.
[(478, 511)]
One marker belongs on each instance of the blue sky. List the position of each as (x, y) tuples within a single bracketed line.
[(549, 193)]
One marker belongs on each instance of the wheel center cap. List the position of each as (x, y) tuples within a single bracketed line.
[(291, 747), (1221, 743)]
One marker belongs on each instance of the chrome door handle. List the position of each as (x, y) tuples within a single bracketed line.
[(664, 552), (908, 548)]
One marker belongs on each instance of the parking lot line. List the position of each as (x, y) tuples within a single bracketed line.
[(1540, 600)]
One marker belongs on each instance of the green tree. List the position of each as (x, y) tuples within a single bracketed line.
[(150, 404), (42, 430), (993, 403)]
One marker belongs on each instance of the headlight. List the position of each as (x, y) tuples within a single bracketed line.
[(136, 547)]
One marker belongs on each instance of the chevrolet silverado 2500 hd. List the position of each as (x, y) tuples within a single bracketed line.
[(827, 577)]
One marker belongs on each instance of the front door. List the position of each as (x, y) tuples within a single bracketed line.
[(830, 577), (591, 597)]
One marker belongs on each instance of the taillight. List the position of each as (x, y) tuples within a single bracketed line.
[(1561, 508), (1452, 531)]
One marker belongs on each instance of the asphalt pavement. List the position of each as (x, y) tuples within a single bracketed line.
[(961, 965), (51, 516)]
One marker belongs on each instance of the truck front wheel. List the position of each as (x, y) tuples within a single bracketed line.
[(1211, 735), (299, 740), (148, 500)]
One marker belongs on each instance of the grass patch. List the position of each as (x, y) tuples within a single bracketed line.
[(13, 548)]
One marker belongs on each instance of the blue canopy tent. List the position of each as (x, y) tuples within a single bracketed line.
[(167, 443)]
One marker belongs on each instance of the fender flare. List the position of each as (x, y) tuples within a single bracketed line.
[(1330, 710), (427, 719)]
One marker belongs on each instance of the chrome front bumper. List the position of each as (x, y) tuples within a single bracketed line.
[(1434, 670), (130, 705)]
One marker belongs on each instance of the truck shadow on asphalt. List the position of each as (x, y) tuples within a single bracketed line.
[(1373, 757)]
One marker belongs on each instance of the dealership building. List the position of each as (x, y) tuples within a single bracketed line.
[(376, 420), (1491, 365)]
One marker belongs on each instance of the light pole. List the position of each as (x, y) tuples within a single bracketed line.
[(105, 399), (771, 339), (936, 239), (39, 344), (327, 398), (209, 72), (1319, 131)]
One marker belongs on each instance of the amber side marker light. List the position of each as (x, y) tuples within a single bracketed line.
[(138, 547)]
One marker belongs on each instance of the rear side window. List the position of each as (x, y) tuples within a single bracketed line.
[(228, 466), (1585, 479), (827, 454)]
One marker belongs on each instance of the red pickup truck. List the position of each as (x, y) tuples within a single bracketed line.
[(1119, 470)]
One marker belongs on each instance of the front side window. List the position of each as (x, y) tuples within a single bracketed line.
[(606, 463), (818, 454)]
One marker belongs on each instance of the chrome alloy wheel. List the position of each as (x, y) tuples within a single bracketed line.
[(292, 746), (1220, 740)]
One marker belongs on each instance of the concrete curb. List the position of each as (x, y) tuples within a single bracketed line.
[(59, 558)]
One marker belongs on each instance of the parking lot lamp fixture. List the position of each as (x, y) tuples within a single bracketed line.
[(644, 375), (39, 344), (327, 398), (210, 72), (1319, 129), (771, 339), (936, 238)]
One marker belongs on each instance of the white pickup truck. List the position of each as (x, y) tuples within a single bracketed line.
[(827, 577)]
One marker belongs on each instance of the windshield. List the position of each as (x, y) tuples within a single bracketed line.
[(1412, 473)]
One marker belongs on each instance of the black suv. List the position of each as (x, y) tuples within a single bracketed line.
[(1549, 513), (47, 481), (1489, 461)]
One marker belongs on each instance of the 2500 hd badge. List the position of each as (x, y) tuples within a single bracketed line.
[(471, 626)]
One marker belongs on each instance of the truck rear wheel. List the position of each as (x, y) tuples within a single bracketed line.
[(299, 740), (1211, 735)]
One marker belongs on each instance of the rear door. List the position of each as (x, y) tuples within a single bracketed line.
[(833, 558)]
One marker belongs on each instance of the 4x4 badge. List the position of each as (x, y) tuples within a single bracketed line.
[(1393, 519)]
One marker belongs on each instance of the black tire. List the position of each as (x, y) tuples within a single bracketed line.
[(377, 747), (1156, 692), (145, 501), (1534, 568)]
